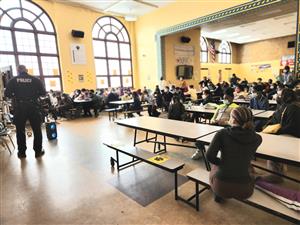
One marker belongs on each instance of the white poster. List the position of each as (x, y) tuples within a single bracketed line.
[(184, 50), (78, 54)]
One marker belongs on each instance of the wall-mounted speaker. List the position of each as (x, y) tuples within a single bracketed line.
[(77, 34), (184, 39), (291, 44)]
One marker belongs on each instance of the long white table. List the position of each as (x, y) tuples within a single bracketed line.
[(122, 102), (281, 148), (168, 128), (247, 101), (259, 114)]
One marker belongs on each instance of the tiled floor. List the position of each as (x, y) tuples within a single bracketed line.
[(69, 185)]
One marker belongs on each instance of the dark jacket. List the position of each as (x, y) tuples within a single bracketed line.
[(237, 147), (290, 123), (176, 111), (259, 103)]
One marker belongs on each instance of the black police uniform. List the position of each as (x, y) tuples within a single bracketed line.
[(25, 91)]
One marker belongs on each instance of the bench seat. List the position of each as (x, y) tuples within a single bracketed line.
[(259, 199), (140, 155)]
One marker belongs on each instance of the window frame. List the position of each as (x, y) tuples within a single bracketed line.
[(16, 53), (225, 52), (202, 38), (108, 76)]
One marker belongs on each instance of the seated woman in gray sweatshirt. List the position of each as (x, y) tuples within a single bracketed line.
[(230, 175)]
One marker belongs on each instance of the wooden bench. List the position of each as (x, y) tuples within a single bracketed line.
[(259, 199), (112, 113), (140, 155)]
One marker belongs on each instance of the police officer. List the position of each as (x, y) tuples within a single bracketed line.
[(25, 91)]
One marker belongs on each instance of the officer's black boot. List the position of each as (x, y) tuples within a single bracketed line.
[(39, 153), (21, 154)]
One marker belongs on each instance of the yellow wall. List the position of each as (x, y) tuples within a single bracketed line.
[(66, 18), (148, 25), (170, 58)]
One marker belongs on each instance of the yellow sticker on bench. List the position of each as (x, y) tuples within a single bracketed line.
[(158, 159)]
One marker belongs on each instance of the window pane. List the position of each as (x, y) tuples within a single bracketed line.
[(47, 23), (125, 35), (116, 23), (115, 82), (39, 25), (52, 84), (126, 67), (228, 58), (5, 21), (111, 37), (102, 34), (28, 15), (127, 81), (15, 13), (114, 67), (96, 29), (31, 7), (23, 25), (102, 82), (25, 42), (6, 41), (7, 4), (114, 29), (99, 48), (101, 67), (50, 66), (112, 50), (8, 60), (31, 63), (125, 51), (106, 28), (120, 37), (104, 20), (47, 43)]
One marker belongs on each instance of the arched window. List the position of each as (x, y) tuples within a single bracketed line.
[(112, 53), (224, 52), (27, 37), (204, 50)]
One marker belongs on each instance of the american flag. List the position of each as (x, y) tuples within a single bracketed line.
[(212, 50)]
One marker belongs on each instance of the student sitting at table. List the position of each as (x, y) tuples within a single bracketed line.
[(230, 176), (258, 101), (288, 116), (97, 103), (167, 97), (239, 92), (221, 116), (112, 96), (136, 105), (176, 109), (206, 98), (193, 93)]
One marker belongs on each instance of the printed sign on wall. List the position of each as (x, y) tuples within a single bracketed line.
[(287, 60), (78, 54)]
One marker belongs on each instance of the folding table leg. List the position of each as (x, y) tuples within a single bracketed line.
[(13, 144), (197, 195), (176, 185), (135, 133), (205, 160), (155, 140)]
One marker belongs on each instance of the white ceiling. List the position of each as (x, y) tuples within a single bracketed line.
[(131, 8), (274, 27)]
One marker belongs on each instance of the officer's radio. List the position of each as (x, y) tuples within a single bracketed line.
[(51, 130)]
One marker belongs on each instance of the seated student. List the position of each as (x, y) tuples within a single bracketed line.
[(288, 116), (112, 96), (244, 83), (158, 96), (97, 102), (176, 109), (206, 98), (230, 177), (152, 109), (258, 101), (239, 92), (136, 105), (167, 97), (221, 116), (218, 92), (193, 93), (64, 105)]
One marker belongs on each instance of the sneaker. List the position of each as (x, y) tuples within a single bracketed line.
[(39, 154), (21, 155), (197, 155)]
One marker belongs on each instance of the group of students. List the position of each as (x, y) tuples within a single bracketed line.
[(232, 175)]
